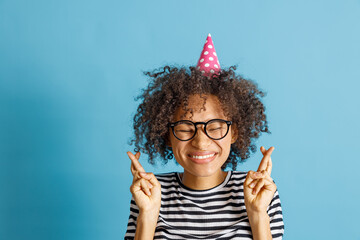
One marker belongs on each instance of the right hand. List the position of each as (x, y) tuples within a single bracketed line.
[(145, 188)]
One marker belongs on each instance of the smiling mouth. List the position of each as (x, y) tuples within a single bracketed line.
[(203, 156), (201, 159)]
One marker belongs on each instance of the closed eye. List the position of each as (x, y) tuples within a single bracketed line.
[(214, 129)]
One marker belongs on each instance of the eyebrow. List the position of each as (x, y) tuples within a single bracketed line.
[(208, 119)]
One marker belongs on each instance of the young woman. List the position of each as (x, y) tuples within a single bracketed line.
[(206, 124)]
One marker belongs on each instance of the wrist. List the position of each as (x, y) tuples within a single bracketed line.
[(146, 225), (148, 216), (258, 217)]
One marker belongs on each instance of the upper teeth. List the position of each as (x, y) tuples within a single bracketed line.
[(202, 157)]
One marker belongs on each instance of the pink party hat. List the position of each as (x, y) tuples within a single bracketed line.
[(208, 62)]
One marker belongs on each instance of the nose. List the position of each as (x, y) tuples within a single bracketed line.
[(201, 140)]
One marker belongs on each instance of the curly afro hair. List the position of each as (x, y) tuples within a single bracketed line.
[(170, 87)]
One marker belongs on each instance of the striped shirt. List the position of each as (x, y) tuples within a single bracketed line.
[(216, 213)]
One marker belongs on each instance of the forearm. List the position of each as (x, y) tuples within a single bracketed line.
[(260, 226), (145, 227)]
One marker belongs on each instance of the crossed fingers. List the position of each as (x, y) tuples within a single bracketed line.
[(136, 167), (262, 177), (259, 180), (140, 177), (266, 163)]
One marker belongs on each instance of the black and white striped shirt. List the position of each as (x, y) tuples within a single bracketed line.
[(216, 213)]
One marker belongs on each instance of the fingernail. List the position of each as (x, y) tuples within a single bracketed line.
[(253, 192), (142, 173), (150, 185), (252, 185), (258, 174)]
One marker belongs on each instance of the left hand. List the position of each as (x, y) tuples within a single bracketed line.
[(259, 188)]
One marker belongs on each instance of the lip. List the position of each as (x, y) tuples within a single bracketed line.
[(202, 160)]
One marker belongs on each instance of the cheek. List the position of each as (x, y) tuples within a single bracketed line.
[(225, 145), (176, 145), (178, 150)]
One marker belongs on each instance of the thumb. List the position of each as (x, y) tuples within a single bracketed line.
[(151, 178)]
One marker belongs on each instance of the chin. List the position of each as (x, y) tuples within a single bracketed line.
[(203, 171)]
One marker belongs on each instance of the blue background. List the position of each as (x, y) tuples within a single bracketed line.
[(69, 72)]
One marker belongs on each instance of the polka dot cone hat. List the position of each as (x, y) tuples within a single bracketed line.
[(208, 62)]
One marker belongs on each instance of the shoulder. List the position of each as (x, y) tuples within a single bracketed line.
[(166, 177), (237, 178), (238, 175)]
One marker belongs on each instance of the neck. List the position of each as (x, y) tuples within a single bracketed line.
[(202, 183)]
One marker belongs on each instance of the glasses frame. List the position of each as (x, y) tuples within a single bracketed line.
[(172, 125)]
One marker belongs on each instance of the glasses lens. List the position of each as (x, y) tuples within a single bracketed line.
[(184, 130), (217, 129)]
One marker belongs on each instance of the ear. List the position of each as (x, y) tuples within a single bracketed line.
[(167, 141), (234, 134)]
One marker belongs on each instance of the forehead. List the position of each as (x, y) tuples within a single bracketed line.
[(200, 108)]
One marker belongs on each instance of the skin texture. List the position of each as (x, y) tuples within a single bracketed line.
[(259, 188), (146, 191), (170, 88), (203, 175)]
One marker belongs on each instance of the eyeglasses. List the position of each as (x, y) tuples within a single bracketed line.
[(185, 130)]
